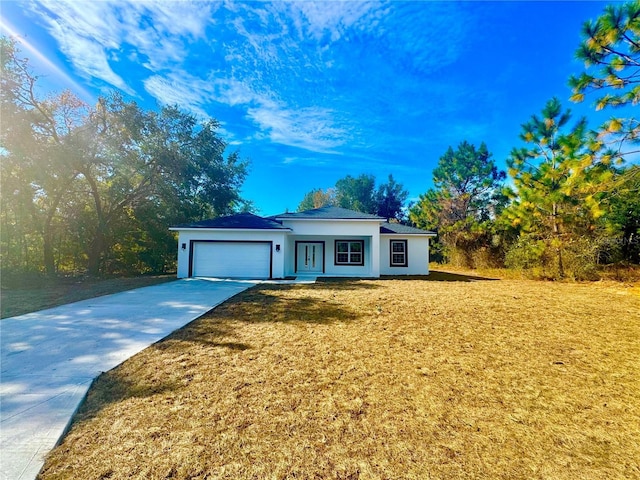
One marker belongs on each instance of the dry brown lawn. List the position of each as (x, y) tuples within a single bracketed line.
[(33, 293), (386, 379)]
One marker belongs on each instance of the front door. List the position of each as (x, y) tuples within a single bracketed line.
[(310, 257)]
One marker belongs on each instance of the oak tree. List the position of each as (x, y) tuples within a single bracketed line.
[(390, 199), (357, 193), (317, 198), (104, 182)]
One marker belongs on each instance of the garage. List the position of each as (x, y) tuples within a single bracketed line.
[(231, 259)]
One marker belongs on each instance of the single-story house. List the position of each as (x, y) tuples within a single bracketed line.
[(327, 241)]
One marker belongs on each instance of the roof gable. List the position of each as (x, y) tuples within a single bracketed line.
[(243, 221), (328, 213)]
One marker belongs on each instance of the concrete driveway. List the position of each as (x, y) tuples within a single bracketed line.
[(49, 358)]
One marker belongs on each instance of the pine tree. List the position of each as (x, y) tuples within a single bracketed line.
[(556, 182), (462, 203), (611, 52)]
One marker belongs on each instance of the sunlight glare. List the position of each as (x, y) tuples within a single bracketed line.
[(7, 28)]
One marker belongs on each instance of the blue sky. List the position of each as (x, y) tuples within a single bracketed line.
[(312, 91)]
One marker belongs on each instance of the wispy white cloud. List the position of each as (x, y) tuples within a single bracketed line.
[(277, 63), (308, 128), (83, 36), (233, 92), (425, 35), (169, 91), (331, 21), (92, 35), (88, 57), (196, 94), (309, 160), (300, 49)]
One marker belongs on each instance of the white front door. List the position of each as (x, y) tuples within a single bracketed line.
[(310, 257)]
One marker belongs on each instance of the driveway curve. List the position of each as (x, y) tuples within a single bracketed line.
[(49, 358)]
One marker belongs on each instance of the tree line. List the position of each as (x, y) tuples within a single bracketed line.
[(361, 194), (570, 202), (94, 188)]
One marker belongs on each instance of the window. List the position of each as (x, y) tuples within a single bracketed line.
[(398, 253), (350, 252)]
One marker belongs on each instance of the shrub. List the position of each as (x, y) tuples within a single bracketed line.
[(539, 258), (525, 254)]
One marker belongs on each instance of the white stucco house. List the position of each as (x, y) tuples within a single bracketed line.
[(327, 241)]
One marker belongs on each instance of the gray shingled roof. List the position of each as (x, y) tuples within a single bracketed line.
[(241, 220), (249, 221), (329, 213), (398, 228)]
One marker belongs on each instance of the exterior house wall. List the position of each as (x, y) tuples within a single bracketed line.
[(330, 267), (417, 255), (329, 231), (325, 231), (333, 227), (186, 236)]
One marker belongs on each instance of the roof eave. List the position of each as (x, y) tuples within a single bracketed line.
[(377, 220), (425, 234), (227, 229)]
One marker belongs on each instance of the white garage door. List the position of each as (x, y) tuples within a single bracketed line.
[(232, 259)]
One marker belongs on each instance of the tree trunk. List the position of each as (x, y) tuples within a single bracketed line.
[(47, 247), (95, 252), (556, 233), (98, 243), (560, 264), (47, 229)]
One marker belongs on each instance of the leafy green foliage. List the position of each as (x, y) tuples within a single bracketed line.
[(39, 140), (360, 194), (612, 45), (97, 188), (469, 177), (356, 193), (545, 172), (390, 199), (620, 222), (317, 198)]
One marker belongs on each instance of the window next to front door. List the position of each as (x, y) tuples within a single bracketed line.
[(398, 253), (350, 252)]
